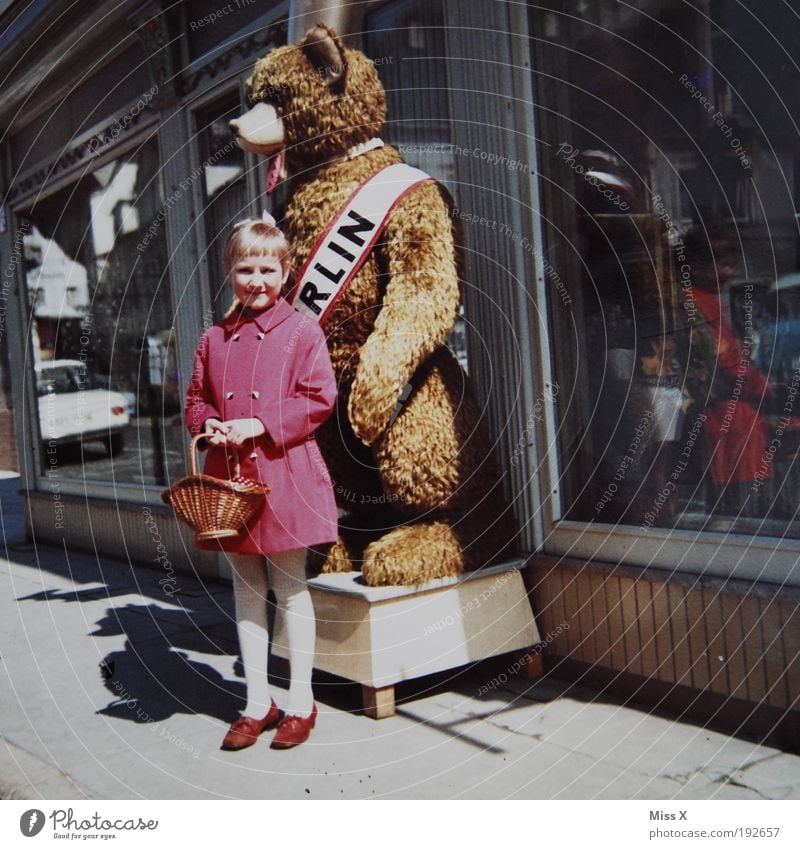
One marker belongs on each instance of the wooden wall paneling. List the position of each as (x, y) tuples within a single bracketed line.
[(790, 638), (733, 645), (630, 624), (712, 603), (698, 638), (570, 608), (756, 679), (602, 640), (772, 624), (679, 633), (647, 627), (616, 622), (585, 647), (665, 670)]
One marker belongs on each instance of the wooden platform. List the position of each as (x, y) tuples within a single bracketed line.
[(380, 636)]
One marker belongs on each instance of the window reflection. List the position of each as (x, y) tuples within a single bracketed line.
[(670, 196), (224, 189), (101, 337)]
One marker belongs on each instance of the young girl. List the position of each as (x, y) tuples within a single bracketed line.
[(262, 384)]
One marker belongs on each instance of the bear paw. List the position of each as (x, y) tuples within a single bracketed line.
[(413, 554)]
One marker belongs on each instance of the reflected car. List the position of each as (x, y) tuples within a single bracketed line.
[(72, 409)]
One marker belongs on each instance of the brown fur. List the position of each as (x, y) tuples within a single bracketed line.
[(423, 493)]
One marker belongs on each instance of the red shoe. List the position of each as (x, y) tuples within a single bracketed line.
[(294, 730), (245, 730)]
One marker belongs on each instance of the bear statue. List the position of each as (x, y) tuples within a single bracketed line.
[(408, 450)]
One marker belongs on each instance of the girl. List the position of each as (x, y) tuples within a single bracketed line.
[(262, 384)]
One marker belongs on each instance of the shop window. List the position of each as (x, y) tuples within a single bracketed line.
[(225, 197), (101, 316), (669, 182)]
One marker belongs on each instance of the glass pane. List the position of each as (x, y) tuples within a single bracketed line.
[(669, 188), (101, 325), (224, 190)]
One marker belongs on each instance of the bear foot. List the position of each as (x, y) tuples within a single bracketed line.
[(413, 554), (339, 558)]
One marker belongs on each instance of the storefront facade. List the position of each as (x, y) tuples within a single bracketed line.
[(643, 407)]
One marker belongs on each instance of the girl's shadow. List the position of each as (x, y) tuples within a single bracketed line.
[(153, 678)]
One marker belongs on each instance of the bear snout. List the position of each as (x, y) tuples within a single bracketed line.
[(259, 130)]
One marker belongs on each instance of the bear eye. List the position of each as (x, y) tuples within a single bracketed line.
[(269, 94)]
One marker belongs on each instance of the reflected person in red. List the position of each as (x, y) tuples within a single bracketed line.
[(724, 385)]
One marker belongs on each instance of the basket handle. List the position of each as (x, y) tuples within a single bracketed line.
[(193, 455)]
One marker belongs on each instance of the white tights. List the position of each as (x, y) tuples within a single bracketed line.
[(288, 578)]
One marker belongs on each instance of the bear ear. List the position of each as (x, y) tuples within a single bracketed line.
[(323, 49)]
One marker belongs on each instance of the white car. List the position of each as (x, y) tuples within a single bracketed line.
[(71, 410)]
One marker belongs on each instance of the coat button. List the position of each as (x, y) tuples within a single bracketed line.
[(254, 394), (235, 337), (260, 335), (228, 396), (254, 456)]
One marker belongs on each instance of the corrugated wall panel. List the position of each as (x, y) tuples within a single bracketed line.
[(96, 525), (723, 637), (665, 659), (791, 649), (491, 97)]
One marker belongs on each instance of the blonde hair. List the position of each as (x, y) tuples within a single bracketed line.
[(256, 236)]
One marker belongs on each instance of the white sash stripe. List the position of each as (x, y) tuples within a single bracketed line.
[(343, 247)]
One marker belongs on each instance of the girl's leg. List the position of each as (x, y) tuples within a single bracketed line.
[(288, 577), (250, 595)]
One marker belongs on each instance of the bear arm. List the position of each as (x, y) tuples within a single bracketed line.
[(418, 312)]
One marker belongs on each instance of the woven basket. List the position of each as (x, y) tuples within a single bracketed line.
[(214, 508)]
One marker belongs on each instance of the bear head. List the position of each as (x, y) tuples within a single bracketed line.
[(315, 100)]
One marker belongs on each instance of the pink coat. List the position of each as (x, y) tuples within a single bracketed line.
[(274, 367)]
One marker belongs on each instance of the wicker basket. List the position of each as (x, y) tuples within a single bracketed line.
[(214, 508)]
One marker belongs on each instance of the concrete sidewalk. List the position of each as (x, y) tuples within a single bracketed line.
[(111, 688)]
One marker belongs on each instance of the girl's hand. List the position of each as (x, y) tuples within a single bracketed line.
[(240, 430), (219, 431)]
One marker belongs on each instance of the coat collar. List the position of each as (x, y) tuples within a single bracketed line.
[(266, 320)]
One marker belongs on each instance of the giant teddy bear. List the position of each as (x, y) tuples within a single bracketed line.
[(420, 487)]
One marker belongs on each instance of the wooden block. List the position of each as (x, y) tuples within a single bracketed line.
[(531, 664), (378, 701)]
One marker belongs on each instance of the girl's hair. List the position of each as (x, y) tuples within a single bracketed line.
[(255, 236)]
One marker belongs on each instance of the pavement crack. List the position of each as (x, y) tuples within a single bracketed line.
[(729, 779)]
